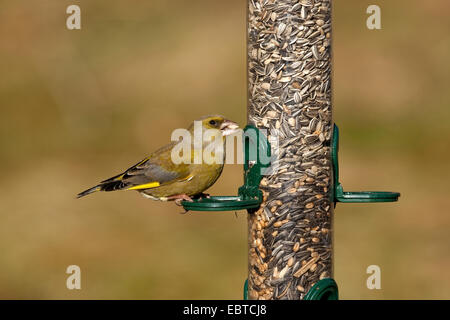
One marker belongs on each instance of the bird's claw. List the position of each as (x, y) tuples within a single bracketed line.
[(180, 197), (184, 212)]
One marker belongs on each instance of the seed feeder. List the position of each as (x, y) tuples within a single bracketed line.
[(290, 210)]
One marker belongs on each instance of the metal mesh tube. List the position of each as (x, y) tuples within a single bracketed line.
[(289, 95)]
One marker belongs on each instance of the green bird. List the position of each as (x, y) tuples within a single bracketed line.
[(160, 178)]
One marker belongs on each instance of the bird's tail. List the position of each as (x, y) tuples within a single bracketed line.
[(89, 191), (104, 186)]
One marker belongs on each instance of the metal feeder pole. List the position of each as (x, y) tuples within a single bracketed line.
[(289, 96)]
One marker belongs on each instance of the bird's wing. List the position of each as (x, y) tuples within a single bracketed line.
[(151, 172)]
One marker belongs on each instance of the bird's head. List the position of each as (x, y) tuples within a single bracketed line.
[(219, 122)]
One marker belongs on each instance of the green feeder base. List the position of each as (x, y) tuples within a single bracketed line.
[(325, 289)]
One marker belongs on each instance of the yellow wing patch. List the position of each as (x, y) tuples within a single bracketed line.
[(145, 186)]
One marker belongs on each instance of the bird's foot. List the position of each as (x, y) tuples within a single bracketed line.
[(204, 195), (180, 197)]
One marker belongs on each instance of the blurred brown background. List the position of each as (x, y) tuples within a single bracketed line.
[(79, 106)]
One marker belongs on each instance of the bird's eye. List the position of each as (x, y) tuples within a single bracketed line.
[(212, 122)]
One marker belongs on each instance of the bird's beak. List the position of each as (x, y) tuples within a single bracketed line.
[(228, 127)]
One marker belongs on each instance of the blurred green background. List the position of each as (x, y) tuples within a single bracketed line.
[(79, 106)]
